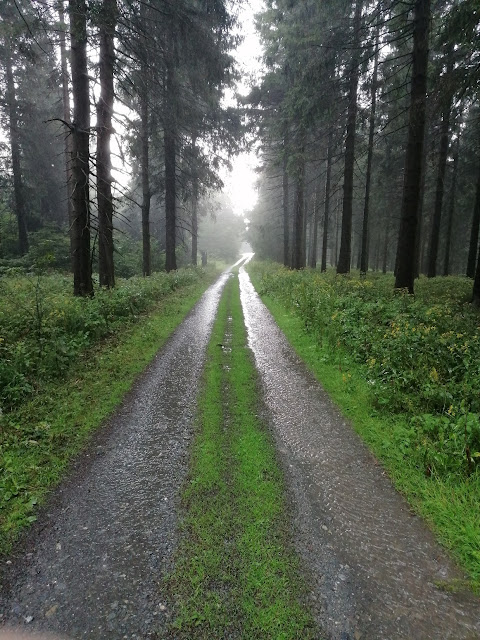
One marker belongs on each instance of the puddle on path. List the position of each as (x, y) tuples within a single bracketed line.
[(95, 567), (373, 565)]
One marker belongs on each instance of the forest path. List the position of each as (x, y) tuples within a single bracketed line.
[(373, 565), (94, 564), (96, 557)]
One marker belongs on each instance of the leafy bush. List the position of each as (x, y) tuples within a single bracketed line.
[(8, 233), (44, 327), (49, 248), (128, 256), (419, 354)]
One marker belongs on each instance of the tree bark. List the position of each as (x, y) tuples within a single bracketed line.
[(440, 189), (82, 266), (377, 252), (285, 205), (195, 230), (419, 249), (386, 240), (314, 232), (371, 134), (472, 252), (299, 226), (451, 211), (337, 228), (344, 259), (326, 211), (405, 273), (108, 19), (476, 284), (146, 195), (170, 177), (194, 211), (20, 211), (305, 245), (67, 115)]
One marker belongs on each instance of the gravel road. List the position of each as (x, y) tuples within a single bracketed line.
[(372, 564), (92, 565)]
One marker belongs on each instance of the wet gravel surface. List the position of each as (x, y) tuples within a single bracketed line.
[(92, 566), (372, 565)]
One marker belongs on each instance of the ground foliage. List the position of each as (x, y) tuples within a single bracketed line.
[(419, 354), (44, 328)]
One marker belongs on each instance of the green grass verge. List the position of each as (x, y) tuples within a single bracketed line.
[(41, 437), (448, 505), (236, 574)]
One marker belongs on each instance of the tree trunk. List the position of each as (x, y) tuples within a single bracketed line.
[(314, 239), (285, 204), (437, 212), (451, 210), (82, 265), (371, 134), (344, 259), (146, 196), (419, 249), (337, 228), (108, 19), (377, 252), (299, 226), (170, 200), (476, 284), (472, 252), (305, 227), (194, 209), (170, 177), (326, 211), (405, 274), (195, 230), (20, 212), (385, 249), (67, 115)]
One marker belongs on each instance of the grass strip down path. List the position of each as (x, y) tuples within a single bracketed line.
[(40, 438), (236, 574), (448, 504)]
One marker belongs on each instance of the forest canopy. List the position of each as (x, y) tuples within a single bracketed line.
[(368, 120), (365, 114), (87, 85)]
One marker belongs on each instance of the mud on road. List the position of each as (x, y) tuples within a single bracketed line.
[(372, 564), (96, 559)]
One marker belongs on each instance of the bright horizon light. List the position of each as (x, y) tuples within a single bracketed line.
[(239, 183), (241, 180)]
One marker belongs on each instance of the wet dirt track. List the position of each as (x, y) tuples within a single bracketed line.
[(371, 563), (94, 566)]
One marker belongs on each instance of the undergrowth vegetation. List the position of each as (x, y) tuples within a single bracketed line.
[(44, 328), (420, 355)]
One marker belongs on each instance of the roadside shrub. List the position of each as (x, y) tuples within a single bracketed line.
[(419, 354), (44, 328)]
